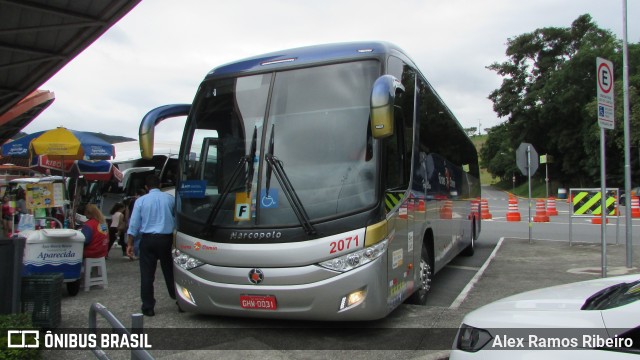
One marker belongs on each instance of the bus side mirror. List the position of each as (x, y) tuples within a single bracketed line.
[(383, 97), (153, 118)]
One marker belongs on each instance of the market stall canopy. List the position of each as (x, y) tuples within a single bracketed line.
[(40, 37), (100, 170)]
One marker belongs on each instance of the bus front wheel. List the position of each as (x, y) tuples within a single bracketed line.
[(419, 297)]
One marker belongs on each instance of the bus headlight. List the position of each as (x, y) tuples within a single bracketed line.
[(355, 259), (185, 261)]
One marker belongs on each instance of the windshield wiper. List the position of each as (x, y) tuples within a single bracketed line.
[(234, 176), (595, 301), (227, 189), (275, 165), (252, 159)]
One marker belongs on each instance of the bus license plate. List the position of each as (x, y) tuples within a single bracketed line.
[(262, 302)]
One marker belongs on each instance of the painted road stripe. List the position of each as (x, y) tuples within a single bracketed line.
[(467, 289)]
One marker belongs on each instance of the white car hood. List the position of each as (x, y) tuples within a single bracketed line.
[(557, 306)]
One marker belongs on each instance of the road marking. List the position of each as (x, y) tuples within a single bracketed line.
[(467, 289), (460, 267)]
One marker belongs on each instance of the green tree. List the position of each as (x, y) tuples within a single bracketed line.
[(497, 155), (548, 99)]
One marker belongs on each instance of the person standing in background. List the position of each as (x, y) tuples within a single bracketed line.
[(21, 202), (7, 214), (153, 218), (117, 227), (96, 234)]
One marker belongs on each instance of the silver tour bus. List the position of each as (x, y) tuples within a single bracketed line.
[(324, 183)]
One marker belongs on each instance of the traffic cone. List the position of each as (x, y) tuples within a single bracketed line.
[(512, 213), (551, 207), (484, 209), (541, 212), (446, 211), (635, 207)]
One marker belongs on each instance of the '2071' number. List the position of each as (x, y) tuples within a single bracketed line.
[(343, 244)]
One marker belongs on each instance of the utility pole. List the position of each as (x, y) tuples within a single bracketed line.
[(627, 141)]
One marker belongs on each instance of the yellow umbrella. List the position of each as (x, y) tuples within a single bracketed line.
[(71, 144)]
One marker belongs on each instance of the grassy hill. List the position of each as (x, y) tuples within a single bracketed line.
[(485, 177)]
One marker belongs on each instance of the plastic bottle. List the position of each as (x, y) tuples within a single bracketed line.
[(66, 224)]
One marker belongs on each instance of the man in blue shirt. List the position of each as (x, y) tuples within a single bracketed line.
[(153, 218)]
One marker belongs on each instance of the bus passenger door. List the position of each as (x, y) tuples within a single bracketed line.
[(399, 206)]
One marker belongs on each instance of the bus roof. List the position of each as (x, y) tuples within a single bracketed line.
[(307, 55)]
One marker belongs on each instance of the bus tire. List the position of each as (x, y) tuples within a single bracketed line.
[(419, 297), (470, 249)]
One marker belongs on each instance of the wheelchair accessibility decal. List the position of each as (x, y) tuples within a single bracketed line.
[(269, 201)]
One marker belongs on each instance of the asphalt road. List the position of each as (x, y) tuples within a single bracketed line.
[(505, 263)]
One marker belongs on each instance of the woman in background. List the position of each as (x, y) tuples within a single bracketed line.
[(96, 234), (118, 226), (7, 215)]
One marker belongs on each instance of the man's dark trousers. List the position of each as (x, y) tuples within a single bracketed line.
[(154, 247)]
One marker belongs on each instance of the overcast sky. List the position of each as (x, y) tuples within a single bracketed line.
[(159, 52)]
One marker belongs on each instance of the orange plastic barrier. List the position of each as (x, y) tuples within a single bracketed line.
[(484, 209), (635, 206), (598, 220), (551, 207), (541, 212), (512, 212)]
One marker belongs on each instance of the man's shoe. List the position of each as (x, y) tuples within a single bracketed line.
[(148, 312)]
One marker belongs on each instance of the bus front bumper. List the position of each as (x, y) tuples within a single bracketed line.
[(319, 300)]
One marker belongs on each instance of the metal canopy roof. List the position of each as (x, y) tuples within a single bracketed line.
[(39, 37)]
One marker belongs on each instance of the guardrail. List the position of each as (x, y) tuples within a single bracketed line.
[(137, 321)]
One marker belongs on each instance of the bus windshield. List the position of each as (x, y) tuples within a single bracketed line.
[(264, 148)]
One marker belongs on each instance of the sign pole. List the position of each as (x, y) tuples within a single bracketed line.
[(529, 181), (606, 120), (527, 161), (627, 141), (603, 202)]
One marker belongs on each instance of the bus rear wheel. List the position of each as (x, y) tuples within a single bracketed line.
[(470, 249), (419, 297)]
